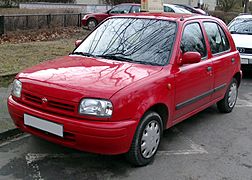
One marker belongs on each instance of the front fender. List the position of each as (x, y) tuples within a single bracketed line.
[(133, 101)]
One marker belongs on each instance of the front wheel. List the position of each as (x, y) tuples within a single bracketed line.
[(146, 140), (91, 24), (227, 104)]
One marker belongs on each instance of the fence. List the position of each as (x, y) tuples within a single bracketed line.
[(83, 8), (38, 21)]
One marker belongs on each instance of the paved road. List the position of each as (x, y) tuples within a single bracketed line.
[(208, 146), (5, 121)]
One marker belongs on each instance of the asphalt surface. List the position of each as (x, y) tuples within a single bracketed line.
[(207, 146), (5, 120)]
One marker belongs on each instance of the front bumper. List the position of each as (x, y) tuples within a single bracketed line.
[(90, 136), (246, 62)]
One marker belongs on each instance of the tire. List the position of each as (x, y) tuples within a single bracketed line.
[(149, 132), (91, 24), (227, 104)]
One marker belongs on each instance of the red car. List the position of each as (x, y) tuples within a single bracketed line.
[(92, 20), (133, 77)]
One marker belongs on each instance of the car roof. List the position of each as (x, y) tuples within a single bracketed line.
[(167, 16)]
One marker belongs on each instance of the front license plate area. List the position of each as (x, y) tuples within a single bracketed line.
[(244, 61), (44, 125)]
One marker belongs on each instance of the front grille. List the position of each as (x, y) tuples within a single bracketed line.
[(58, 105), (244, 50), (48, 103), (33, 99)]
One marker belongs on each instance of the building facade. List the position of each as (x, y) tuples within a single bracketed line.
[(208, 4)]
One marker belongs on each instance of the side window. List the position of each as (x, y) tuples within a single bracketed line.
[(168, 9), (120, 9), (135, 9), (193, 40), (217, 38)]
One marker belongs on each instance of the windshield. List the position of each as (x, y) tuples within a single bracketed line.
[(241, 26), (147, 41)]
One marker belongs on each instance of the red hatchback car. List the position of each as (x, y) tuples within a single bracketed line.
[(92, 20), (133, 77)]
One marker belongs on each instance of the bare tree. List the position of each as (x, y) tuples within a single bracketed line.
[(245, 5), (227, 5)]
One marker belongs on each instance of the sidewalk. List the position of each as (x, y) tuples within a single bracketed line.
[(5, 119)]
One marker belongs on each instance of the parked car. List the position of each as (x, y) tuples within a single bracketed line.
[(92, 20), (241, 30), (133, 77), (175, 9), (192, 9)]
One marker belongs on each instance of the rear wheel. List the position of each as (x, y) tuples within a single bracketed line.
[(146, 140), (91, 24), (227, 104)]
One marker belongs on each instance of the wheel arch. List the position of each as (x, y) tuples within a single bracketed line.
[(238, 77), (162, 110), (92, 18)]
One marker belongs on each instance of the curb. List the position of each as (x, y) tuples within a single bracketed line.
[(10, 134)]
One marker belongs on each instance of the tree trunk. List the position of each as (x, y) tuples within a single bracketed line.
[(246, 3)]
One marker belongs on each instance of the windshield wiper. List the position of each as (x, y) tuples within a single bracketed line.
[(148, 63), (233, 32), (114, 57), (244, 32), (120, 58), (83, 54)]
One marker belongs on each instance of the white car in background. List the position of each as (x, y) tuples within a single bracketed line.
[(175, 9), (241, 31)]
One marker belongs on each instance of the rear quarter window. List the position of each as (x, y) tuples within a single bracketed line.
[(217, 38)]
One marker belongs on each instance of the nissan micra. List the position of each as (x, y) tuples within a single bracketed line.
[(133, 77)]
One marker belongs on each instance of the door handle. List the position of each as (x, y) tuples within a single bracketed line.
[(209, 68), (233, 60)]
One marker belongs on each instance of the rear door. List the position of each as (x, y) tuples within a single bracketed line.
[(194, 82), (223, 60)]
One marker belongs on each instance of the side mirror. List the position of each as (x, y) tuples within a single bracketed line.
[(77, 43), (190, 58)]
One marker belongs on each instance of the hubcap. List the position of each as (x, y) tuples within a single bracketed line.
[(150, 139), (232, 95), (91, 25)]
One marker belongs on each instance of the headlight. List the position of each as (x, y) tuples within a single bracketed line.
[(96, 107), (16, 88)]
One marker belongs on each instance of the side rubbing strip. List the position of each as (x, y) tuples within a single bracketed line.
[(220, 87), (197, 98)]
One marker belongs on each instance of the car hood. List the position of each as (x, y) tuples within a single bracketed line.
[(87, 77), (242, 40)]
